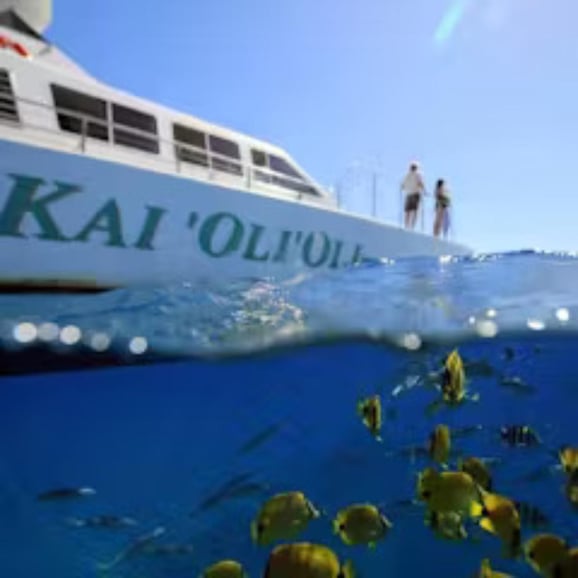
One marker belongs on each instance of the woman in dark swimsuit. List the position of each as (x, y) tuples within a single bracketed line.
[(442, 205)]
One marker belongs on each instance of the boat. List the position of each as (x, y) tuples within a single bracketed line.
[(100, 189)]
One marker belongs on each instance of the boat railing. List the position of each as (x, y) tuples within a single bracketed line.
[(91, 129)]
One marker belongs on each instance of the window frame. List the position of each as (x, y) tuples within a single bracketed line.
[(188, 152), (70, 119), (8, 103), (219, 163), (129, 135)]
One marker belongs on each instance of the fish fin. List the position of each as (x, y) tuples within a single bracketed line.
[(254, 533), (476, 510), (347, 570), (386, 523), (313, 511), (487, 525), (485, 567)]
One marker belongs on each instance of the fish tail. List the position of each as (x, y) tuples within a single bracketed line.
[(347, 570)]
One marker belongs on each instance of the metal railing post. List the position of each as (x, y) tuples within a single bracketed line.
[(83, 130), (374, 195)]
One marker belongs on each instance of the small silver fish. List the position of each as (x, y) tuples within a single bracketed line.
[(168, 549), (259, 439), (106, 521), (65, 494), (517, 384), (235, 488), (136, 547)]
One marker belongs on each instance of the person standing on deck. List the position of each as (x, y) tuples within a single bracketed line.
[(443, 202), (413, 188)]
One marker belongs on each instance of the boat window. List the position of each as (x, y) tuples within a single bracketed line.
[(8, 109), (138, 124), (225, 148), (73, 107), (260, 160), (295, 183), (191, 140), (280, 165)]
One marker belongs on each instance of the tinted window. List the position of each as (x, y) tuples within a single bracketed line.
[(140, 122), (192, 138), (82, 106), (259, 158), (8, 110), (295, 186), (280, 165), (226, 148)]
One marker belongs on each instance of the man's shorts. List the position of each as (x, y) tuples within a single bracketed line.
[(412, 202)]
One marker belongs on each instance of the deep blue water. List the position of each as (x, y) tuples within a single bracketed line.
[(158, 432)]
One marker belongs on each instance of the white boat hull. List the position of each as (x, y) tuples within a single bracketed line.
[(75, 222)]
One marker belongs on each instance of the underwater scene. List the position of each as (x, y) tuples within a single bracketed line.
[(395, 420)]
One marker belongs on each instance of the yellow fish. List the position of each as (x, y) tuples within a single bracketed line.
[(568, 566), (440, 445), (370, 411), (478, 470), (225, 569), (449, 492), (568, 459), (453, 384), (501, 518), (305, 560), (454, 379), (447, 525), (361, 524), (544, 551), (282, 517)]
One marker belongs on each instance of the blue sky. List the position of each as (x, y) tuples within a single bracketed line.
[(482, 92)]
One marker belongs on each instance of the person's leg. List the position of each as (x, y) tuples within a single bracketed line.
[(438, 222)]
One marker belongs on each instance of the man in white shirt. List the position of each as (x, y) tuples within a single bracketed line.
[(413, 188)]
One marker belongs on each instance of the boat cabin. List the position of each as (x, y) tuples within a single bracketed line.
[(47, 100)]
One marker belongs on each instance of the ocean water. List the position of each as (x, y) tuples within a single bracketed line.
[(185, 408)]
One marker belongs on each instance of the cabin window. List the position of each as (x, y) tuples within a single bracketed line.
[(8, 109), (188, 141), (296, 182), (225, 148), (73, 107), (138, 124), (280, 165), (259, 159)]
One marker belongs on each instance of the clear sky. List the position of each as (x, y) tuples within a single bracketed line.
[(481, 92)]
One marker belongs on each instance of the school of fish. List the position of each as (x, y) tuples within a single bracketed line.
[(455, 492)]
